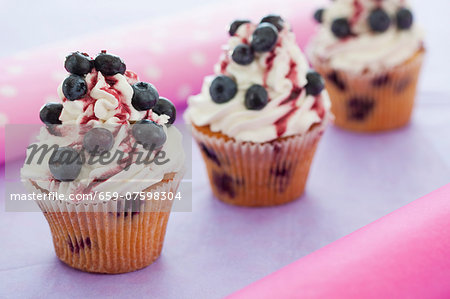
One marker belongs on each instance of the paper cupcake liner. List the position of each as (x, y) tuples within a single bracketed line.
[(373, 102), (266, 174), (102, 237)]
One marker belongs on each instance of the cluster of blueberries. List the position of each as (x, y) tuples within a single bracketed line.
[(65, 163), (379, 21), (264, 39)]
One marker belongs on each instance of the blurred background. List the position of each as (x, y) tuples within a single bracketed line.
[(250, 244), (26, 24)]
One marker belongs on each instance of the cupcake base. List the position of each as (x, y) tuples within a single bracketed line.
[(103, 237), (249, 174), (373, 102)]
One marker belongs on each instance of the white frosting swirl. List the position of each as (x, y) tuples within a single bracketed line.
[(107, 104), (282, 72), (116, 178), (364, 51)]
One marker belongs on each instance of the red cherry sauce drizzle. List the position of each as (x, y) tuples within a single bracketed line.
[(318, 106), (295, 93), (105, 176), (292, 75), (358, 10), (269, 65), (123, 111), (224, 64), (131, 76), (111, 81), (281, 124), (88, 118)]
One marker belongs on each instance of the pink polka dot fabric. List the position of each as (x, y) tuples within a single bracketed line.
[(174, 53), (401, 255)]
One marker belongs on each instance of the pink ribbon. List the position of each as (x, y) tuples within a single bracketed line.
[(174, 53), (402, 255)]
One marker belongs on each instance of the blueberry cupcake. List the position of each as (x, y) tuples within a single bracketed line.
[(259, 118), (370, 54), (99, 155)]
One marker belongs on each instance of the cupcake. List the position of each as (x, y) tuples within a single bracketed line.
[(259, 118), (370, 54), (98, 163)]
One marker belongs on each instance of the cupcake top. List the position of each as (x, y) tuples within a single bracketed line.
[(108, 134), (365, 35), (263, 88)]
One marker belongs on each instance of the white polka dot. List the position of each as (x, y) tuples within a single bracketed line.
[(161, 32), (14, 70), (3, 120), (184, 91), (62, 56), (59, 76), (156, 48), (22, 55), (198, 59), (51, 99), (114, 44), (8, 91), (153, 72), (204, 19), (201, 35)]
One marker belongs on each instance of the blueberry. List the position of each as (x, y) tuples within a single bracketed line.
[(337, 80), (360, 108), (381, 80), (264, 38), (149, 134), (315, 83), (65, 164), (281, 171), (209, 152), (235, 26), (224, 183), (78, 63), (144, 97), (98, 141), (164, 106), (318, 15), (74, 87), (275, 20), (402, 84), (88, 242), (222, 89), (404, 19), (341, 28), (50, 113), (243, 54), (256, 97), (109, 64), (74, 248), (379, 20)]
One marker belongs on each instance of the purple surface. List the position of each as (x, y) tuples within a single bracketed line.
[(218, 249)]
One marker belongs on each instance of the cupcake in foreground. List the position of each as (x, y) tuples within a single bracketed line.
[(370, 54), (98, 160), (259, 119)]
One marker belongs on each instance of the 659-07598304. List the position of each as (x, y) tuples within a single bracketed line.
[(103, 196)]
